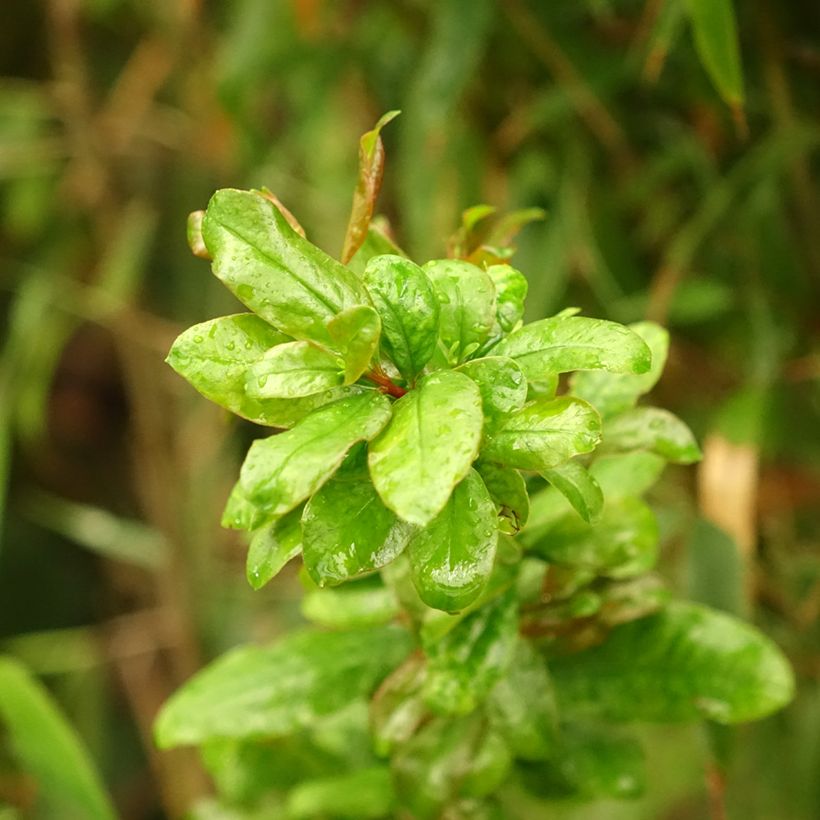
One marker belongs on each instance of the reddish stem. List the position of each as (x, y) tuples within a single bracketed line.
[(385, 384)]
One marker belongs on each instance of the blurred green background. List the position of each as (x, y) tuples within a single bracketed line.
[(677, 186)]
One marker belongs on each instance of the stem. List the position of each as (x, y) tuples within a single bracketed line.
[(385, 384)]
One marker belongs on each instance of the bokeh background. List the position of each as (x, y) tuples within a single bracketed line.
[(676, 188)]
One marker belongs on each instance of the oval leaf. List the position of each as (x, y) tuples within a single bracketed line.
[(355, 333), (293, 370), (428, 446), (511, 291), (502, 384), (272, 547), (508, 490), (579, 487), (655, 430)]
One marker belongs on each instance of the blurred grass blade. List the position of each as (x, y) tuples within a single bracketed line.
[(48, 748)]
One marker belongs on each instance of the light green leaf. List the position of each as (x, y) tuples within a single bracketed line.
[(351, 606), (283, 470), (293, 370), (655, 430), (715, 31), (623, 543), (397, 710), (579, 487), (49, 749), (612, 393), (508, 491), (501, 382), (683, 664), (409, 310), (452, 557), (242, 514), (376, 243), (366, 793), (273, 270), (545, 433), (272, 547), (511, 291), (347, 530), (522, 706), (280, 689), (565, 342), (467, 662), (466, 294), (428, 446), (355, 333), (623, 474)]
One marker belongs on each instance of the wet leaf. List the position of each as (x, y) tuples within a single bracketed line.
[(351, 606), (508, 491), (355, 334), (579, 487), (502, 385), (272, 547), (655, 430), (293, 370)]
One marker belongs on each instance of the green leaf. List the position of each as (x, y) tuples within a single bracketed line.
[(715, 569), (367, 793), (355, 333), (280, 689), (409, 310), (563, 343), (623, 543), (716, 40), (376, 243), (428, 446), (49, 749), (511, 291), (272, 547), (624, 474), (371, 170), (283, 470), (452, 557), (682, 664), (502, 385), (397, 709), (293, 370), (466, 663), (242, 514), (545, 433), (655, 430), (347, 529), (351, 606), (579, 487), (278, 274), (508, 491), (612, 393), (466, 295), (522, 706)]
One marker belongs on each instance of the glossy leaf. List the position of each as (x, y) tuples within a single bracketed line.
[(579, 487), (242, 514), (49, 749), (511, 291), (428, 446), (466, 296), (612, 393), (272, 547), (280, 689), (466, 663), (545, 433), (293, 370), (623, 474), (355, 333), (655, 430), (351, 606), (278, 274), (565, 342), (283, 470), (376, 243), (409, 311), (347, 529), (682, 664), (501, 382), (508, 491), (452, 557), (371, 170)]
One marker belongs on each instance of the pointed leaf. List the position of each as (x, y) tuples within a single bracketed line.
[(293, 370), (452, 557), (355, 333), (508, 491), (502, 385), (685, 663), (428, 446), (282, 471), (278, 274), (277, 690), (544, 434), (579, 487), (409, 311), (272, 547), (655, 430), (466, 295)]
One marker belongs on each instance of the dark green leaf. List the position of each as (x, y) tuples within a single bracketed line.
[(428, 446), (655, 430), (467, 662), (272, 547), (508, 490), (355, 333), (283, 470), (278, 274), (682, 664), (579, 487), (452, 557), (409, 310), (280, 689), (367, 793), (293, 370), (49, 749), (466, 296), (715, 569), (545, 433), (351, 606), (502, 385)]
